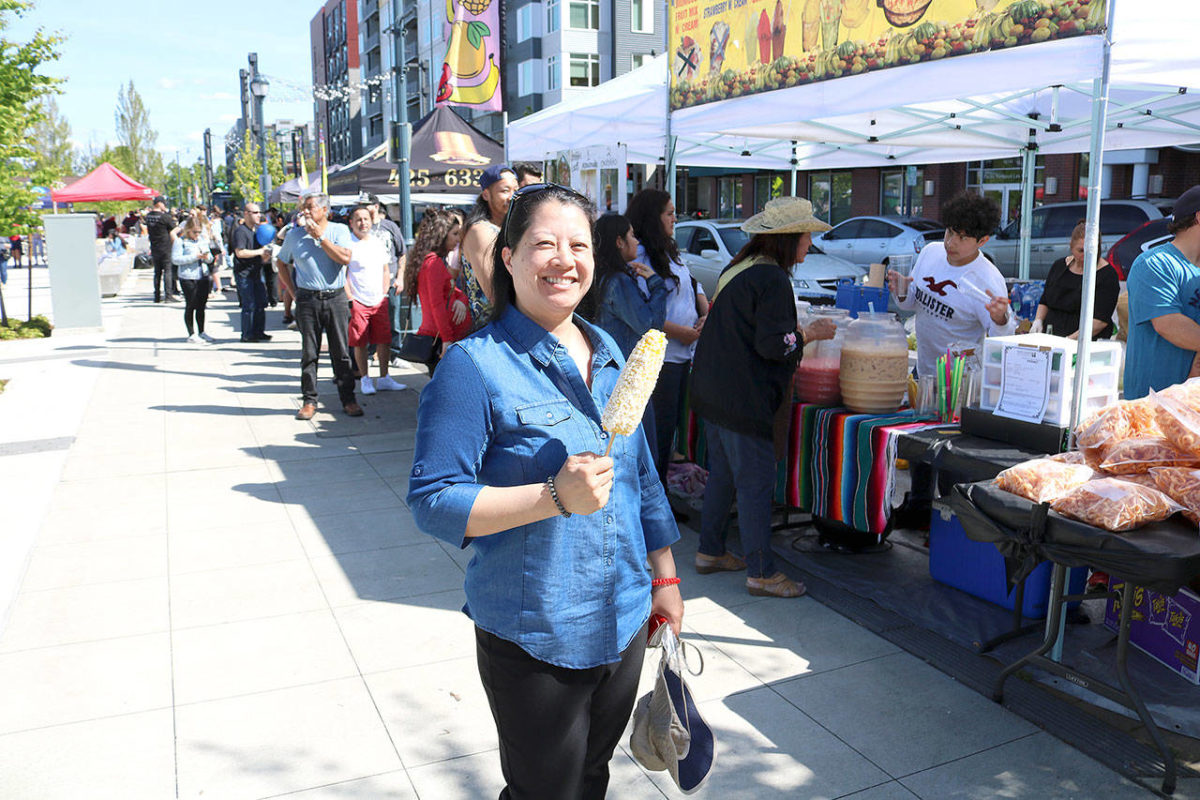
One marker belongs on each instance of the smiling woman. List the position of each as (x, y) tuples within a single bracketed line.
[(507, 461)]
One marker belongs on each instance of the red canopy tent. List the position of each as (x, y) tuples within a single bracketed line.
[(105, 182)]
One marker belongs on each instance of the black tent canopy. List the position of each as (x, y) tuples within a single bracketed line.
[(447, 157)]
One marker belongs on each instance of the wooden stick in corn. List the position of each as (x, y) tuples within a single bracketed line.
[(625, 407)]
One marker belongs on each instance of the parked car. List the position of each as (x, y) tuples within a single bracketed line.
[(1051, 233), (1145, 237), (890, 239), (707, 247)]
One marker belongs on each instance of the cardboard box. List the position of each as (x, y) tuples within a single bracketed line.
[(1164, 627)]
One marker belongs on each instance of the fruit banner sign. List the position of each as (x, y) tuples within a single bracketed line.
[(728, 48), (471, 72)]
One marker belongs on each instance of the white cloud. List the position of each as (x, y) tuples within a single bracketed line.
[(228, 117), (168, 83), (217, 96), (194, 136)]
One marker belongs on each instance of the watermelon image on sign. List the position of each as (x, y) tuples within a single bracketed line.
[(687, 59)]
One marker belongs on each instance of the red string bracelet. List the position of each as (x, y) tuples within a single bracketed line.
[(663, 582)]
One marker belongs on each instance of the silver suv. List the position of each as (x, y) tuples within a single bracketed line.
[(1051, 233)]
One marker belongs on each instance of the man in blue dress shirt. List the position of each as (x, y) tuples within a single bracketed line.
[(312, 265)]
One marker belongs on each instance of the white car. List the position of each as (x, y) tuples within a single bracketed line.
[(889, 239), (708, 246)]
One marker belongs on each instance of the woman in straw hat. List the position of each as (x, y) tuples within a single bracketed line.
[(744, 362)]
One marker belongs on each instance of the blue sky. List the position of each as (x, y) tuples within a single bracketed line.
[(183, 58)]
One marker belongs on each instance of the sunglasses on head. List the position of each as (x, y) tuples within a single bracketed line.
[(532, 189)]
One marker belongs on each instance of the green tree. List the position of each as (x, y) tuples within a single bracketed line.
[(244, 182), (135, 132), (22, 88), (54, 152), (275, 163)]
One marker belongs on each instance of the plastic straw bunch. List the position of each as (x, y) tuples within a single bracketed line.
[(949, 382)]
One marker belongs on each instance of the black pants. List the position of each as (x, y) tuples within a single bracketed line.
[(164, 275), (558, 727), (667, 400), (195, 295), (325, 313), (268, 274)]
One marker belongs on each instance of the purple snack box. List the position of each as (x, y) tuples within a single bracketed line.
[(1164, 627)]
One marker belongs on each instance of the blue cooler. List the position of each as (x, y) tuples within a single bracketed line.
[(856, 298), (977, 568)]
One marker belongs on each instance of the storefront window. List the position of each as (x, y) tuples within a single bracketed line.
[(768, 187), (729, 198), (1001, 181), (902, 192), (830, 195)]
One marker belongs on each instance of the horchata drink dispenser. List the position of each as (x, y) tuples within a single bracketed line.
[(817, 373), (874, 364)]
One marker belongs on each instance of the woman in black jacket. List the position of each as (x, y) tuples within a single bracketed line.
[(744, 361)]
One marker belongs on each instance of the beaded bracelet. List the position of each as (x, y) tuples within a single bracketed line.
[(654, 584), (554, 495)]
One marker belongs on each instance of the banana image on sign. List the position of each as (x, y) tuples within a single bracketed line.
[(470, 74)]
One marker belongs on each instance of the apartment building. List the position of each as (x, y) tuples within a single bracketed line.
[(336, 76)]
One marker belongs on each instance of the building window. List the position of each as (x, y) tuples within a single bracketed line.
[(830, 196), (638, 59), (552, 21), (376, 127), (527, 77), (642, 17), (551, 73), (902, 193), (585, 69), (527, 22), (585, 15)]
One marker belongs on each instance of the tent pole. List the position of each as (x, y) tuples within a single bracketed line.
[(403, 180), (793, 163), (1091, 250), (1028, 174)]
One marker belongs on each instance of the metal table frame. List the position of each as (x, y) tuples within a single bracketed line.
[(1126, 695)]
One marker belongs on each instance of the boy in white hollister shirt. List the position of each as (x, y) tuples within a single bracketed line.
[(959, 295), (367, 280)]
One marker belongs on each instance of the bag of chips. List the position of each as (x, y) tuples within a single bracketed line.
[(1071, 457), (1115, 504), (1112, 424), (1181, 485), (1140, 454), (1177, 413), (1043, 480)]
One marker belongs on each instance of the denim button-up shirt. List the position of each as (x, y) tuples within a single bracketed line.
[(505, 408), (625, 313)]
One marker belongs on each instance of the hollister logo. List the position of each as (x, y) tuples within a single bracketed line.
[(939, 287)]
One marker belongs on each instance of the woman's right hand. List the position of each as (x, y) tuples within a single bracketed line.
[(584, 482), (820, 329), (643, 270), (458, 312)]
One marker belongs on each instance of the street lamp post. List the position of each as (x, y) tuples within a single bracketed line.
[(258, 88)]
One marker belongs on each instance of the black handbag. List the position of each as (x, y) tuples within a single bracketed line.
[(417, 348)]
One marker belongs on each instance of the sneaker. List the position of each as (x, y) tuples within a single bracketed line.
[(366, 386), (386, 384), (292, 326), (778, 585), (706, 564), (195, 339), (208, 338)]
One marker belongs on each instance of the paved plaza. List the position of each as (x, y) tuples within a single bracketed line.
[(204, 598)]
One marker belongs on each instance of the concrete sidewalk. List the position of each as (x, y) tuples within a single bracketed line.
[(223, 602)]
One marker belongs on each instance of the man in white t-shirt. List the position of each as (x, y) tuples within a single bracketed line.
[(959, 296), (368, 276)]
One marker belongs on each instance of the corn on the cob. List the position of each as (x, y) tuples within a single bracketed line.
[(623, 412)]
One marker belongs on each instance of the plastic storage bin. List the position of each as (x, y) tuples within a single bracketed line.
[(977, 568), (1104, 373), (855, 297)]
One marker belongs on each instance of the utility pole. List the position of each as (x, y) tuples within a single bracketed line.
[(403, 130), (208, 164), (258, 88)]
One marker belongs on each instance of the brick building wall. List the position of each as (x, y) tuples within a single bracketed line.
[(1180, 171)]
